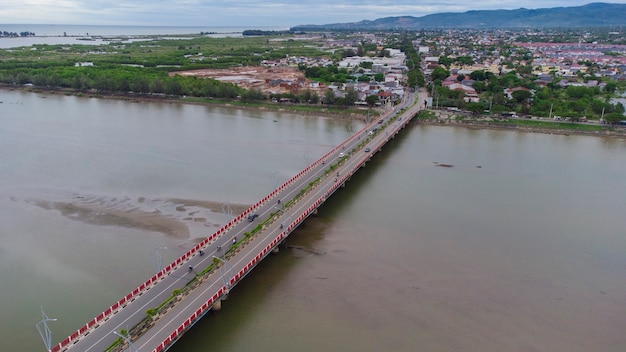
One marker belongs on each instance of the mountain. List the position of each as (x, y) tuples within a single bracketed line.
[(590, 15)]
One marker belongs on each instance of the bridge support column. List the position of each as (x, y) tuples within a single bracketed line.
[(275, 250), (314, 212), (217, 306)]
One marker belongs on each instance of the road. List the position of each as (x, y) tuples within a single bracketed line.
[(246, 257)]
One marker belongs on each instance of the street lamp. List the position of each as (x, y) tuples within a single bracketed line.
[(227, 210), (157, 259), (222, 272), (44, 330), (126, 339)]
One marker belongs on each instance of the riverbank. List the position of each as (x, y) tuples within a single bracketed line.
[(444, 118), (308, 110), (439, 117)]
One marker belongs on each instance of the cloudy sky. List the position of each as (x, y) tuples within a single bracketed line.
[(243, 13)]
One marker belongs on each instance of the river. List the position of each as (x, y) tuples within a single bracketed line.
[(518, 246)]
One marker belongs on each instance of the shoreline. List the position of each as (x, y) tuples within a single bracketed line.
[(484, 125), (447, 122), (444, 118), (141, 98)]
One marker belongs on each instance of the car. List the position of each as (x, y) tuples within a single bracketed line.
[(367, 150), (252, 217), (341, 155)]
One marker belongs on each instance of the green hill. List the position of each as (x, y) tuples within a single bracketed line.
[(590, 15)]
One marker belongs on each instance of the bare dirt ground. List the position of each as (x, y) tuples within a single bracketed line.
[(259, 77)]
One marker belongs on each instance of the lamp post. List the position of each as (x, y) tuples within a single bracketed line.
[(222, 272), (126, 339), (44, 330), (157, 259), (227, 210)]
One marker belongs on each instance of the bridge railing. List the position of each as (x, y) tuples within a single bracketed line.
[(265, 251), (165, 271)]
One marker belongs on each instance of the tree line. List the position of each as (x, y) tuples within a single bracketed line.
[(119, 80), (15, 34)]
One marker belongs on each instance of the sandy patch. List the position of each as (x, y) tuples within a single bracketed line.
[(176, 218)]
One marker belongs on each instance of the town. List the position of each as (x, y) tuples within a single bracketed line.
[(560, 75)]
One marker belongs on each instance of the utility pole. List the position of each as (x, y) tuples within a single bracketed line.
[(126, 339), (44, 330), (550, 115)]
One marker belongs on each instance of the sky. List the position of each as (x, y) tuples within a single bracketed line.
[(244, 13)]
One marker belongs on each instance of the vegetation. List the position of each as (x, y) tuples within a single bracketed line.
[(142, 67), (573, 102)]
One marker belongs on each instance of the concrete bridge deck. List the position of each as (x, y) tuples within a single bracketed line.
[(206, 273)]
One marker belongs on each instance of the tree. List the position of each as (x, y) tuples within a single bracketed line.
[(351, 96), (371, 100), (465, 60), (253, 94), (329, 97), (613, 118), (440, 73), (305, 96), (479, 86), (173, 87), (478, 75), (315, 98), (576, 92), (140, 85), (610, 87), (445, 61), (475, 108), (156, 86), (521, 95)]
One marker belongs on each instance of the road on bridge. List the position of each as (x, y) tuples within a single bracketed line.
[(101, 336)]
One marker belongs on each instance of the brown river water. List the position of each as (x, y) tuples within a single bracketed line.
[(520, 245)]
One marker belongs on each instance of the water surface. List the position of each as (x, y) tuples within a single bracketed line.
[(518, 246)]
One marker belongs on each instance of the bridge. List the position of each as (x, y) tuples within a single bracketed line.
[(169, 303)]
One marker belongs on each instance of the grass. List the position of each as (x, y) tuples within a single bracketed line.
[(323, 109), (553, 125), (534, 124)]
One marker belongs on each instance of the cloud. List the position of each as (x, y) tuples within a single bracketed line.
[(242, 13)]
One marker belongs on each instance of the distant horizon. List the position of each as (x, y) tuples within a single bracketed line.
[(211, 13), (78, 30)]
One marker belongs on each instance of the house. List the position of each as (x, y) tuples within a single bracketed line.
[(384, 97)]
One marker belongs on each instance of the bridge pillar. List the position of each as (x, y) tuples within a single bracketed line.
[(314, 212), (275, 250), (217, 306)]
